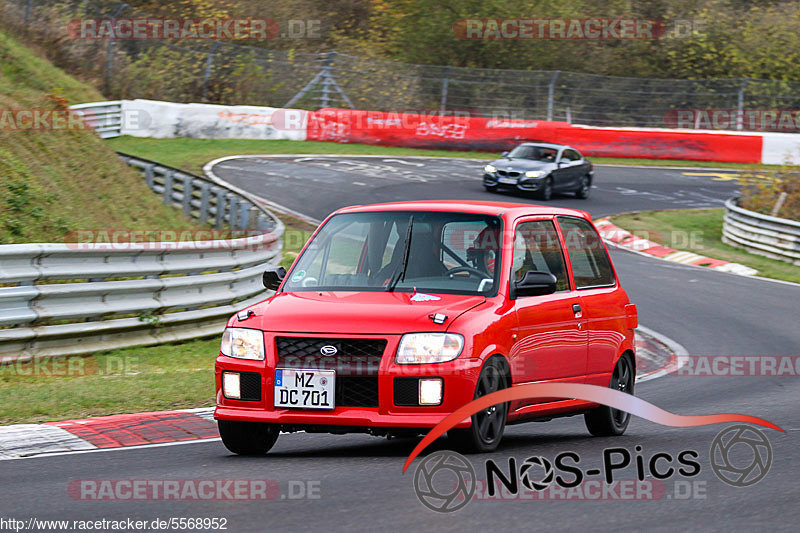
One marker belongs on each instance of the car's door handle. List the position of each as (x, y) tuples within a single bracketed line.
[(576, 308)]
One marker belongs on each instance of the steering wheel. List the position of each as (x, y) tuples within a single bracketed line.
[(466, 269)]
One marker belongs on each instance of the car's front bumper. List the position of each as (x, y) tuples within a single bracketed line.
[(458, 379), (522, 183)]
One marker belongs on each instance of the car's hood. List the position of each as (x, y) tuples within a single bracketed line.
[(356, 312), (521, 164)]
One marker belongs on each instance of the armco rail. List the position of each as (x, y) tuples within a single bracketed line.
[(773, 237), (178, 290), (104, 117)]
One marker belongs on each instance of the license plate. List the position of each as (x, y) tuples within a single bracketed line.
[(509, 181), (305, 389)]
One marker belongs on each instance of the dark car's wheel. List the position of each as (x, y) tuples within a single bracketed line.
[(490, 188), (584, 188), (547, 190), (248, 438), (606, 421), (488, 425)]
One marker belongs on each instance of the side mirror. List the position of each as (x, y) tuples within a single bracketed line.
[(535, 284), (273, 277), (504, 154), (561, 162)]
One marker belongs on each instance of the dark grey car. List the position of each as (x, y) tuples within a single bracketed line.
[(540, 168)]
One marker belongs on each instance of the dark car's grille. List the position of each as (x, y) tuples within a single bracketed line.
[(509, 173)]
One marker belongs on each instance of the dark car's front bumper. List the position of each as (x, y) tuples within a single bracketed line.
[(522, 183)]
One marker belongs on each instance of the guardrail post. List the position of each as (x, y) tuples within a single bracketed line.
[(169, 178), (148, 176), (187, 195), (233, 209), (204, 194), (219, 214)]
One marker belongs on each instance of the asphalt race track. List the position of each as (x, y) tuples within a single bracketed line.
[(360, 484)]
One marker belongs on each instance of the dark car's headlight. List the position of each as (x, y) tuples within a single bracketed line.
[(534, 173), (490, 169)]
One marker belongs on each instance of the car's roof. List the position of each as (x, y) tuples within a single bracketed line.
[(510, 209), (549, 145)]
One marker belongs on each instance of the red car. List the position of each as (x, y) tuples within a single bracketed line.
[(394, 315)]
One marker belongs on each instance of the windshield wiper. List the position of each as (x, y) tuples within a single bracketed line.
[(401, 273)]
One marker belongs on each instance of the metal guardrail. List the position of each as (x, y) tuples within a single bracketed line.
[(773, 237), (75, 298), (104, 117)]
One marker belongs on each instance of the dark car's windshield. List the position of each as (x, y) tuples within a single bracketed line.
[(537, 153), (442, 252)]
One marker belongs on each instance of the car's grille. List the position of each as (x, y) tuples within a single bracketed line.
[(356, 391), (250, 386), (509, 173), (406, 391), (352, 357)]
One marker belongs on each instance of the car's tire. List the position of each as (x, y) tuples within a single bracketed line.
[(248, 438), (488, 425), (547, 191), (584, 188), (489, 188), (606, 421)]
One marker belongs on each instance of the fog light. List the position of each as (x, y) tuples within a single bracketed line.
[(430, 391), (230, 385)]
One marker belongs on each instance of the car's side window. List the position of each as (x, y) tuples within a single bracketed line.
[(590, 264), (571, 155), (537, 248)]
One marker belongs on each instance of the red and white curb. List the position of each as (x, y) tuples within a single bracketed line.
[(107, 432), (624, 239)]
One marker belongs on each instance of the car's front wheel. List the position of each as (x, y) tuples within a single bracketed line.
[(488, 425), (606, 421), (547, 190), (248, 438), (490, 188)]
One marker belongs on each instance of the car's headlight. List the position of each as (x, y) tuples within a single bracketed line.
[(420, 348), (243, 343), (490, 169), (534, 174)]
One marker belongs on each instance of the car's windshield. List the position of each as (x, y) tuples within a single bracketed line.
[(376, 251), (537, 153)]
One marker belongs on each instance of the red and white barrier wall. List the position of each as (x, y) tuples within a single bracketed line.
[(486, 134), (147, 118)]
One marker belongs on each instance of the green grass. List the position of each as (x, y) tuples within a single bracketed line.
[(192, 154), (700, 231), (169, 376), (53, 182)]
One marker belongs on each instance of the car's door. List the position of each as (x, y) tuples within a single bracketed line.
[(603, 301), (551, 340), (570, 166)]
